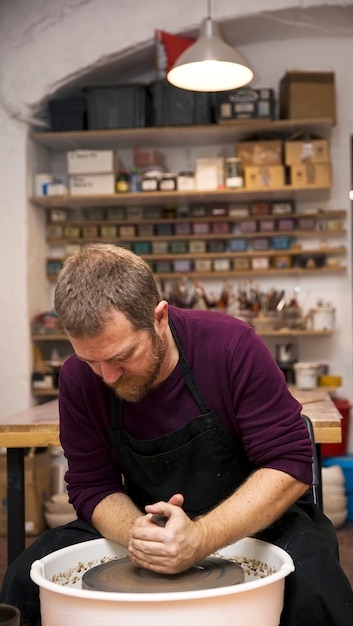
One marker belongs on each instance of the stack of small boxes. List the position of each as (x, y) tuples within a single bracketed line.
[(308, 161), (91, 172)]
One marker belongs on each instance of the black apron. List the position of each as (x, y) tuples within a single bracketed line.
[(201, 460), (206, 464)]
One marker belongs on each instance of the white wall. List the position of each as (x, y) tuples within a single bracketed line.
[(45, 45)]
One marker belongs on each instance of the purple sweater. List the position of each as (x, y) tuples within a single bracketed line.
[(236, 374)]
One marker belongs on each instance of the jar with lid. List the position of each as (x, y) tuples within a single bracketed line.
[(122, 181), (167, 182), (234, 173)]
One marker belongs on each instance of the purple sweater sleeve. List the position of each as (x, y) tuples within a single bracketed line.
[(236, 374)]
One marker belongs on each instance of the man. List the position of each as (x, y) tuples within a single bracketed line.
[(183, 414)]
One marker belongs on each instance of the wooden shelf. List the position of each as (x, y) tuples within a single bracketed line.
[(175, 135), (177, 198)]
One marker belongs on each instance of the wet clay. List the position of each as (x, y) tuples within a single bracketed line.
[(123, 576)]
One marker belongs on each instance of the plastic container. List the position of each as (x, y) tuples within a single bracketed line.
[(172, 106), (259, 600), (339, 449), (346, 463), (58, 470), (117, 106), (306, 375), (68, 114)]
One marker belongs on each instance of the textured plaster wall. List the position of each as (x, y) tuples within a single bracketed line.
[(47, 45)]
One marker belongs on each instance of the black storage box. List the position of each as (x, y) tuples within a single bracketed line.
[(117, 106), (245, 103), (68, 114), (172, 106)]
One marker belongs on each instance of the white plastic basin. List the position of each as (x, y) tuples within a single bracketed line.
[(257, 601)]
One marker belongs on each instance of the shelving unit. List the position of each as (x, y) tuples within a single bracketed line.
[(183, 139)]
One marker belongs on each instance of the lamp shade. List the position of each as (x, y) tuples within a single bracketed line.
[(210, 64)]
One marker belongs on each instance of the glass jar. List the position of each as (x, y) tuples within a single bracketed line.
[(234, 173)]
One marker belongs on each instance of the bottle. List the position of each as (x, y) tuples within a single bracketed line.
[(122, 181), (234, 173)]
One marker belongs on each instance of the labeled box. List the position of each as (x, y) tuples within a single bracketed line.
[(311, 151), (37, 480), (245, 103), (311, 175), (260, 152), (90, 162), (307, 95), (92, 185), (203, 265), (262, 177)]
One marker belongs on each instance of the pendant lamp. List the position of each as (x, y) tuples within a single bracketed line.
[(210, 64)]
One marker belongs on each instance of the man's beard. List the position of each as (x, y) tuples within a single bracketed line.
[(133, 387)]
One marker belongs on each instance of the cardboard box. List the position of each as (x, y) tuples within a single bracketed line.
[(307, 95), (92, 185), (312, 151), (37, 491), (90, 162), (260, 152), (313, 175), (262, 177), (209, 174)]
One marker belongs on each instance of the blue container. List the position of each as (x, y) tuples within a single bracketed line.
[(281, 242), (346, 464)]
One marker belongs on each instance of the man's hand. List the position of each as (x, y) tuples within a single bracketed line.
[(169, 549)]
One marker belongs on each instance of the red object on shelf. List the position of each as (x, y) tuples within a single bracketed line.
[(339, 449)]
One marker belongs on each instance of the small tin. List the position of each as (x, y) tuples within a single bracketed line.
[(307, 223), (248, 226), (54, 267), (260, 263), (203, 265), (54, 231), (164, 229), (145, 230), (72, 231), (267, 225), (153, 212), (197, 247), (201, 228), (163, 266), (58, 215), (169, 212), (182, 228), (281, 242), (216, 246), (160, 247), (219, 210), (89, 231), (127, 230), (134, 213), (94, 214), (108, 231), (116, 213), (260, 208), (261, 243), (238, 210), (220, 228), (241, 264), (179, 247), (237, 245), (281, 208), (183, 265), (286, 224), (282, 262), (198, 211), (141, 247), (221, 265)]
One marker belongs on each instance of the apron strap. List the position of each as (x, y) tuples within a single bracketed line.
[(116, 403)]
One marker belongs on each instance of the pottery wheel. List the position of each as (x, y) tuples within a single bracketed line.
[(123, 576)]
